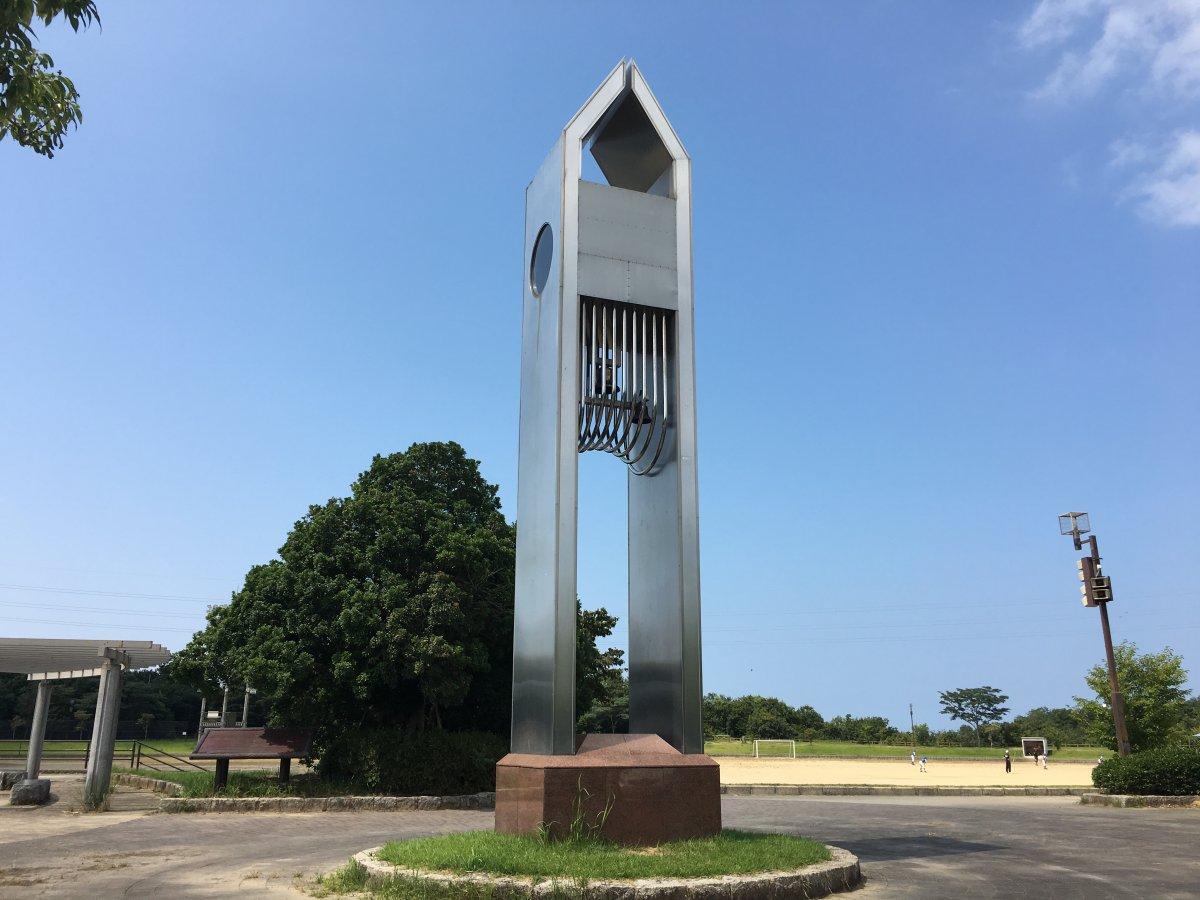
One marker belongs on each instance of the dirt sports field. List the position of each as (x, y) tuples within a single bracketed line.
[(973, 773)]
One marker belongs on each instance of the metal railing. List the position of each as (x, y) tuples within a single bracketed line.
[(158, 760)]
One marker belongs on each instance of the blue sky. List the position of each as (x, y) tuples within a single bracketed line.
[(947, 287)]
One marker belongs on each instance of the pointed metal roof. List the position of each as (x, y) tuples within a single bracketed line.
[(628, 132)]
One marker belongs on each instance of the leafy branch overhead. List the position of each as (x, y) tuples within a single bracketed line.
[(38, 103)]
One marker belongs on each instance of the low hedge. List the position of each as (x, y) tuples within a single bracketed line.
[(1170, 771), (406, 763)]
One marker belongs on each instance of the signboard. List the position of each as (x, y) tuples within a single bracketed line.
[(1035, 746)]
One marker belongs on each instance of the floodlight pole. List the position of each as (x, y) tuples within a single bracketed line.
[(1118, 700)]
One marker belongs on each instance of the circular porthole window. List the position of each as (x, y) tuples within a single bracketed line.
[(539, 263)]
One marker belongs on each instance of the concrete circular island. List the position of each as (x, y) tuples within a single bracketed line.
[(839, 873)]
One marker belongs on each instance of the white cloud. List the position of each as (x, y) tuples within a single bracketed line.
[(1151, 47), (1155, 41), (1167, 189), (1125, 153)]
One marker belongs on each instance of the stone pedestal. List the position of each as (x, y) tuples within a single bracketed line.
[(8, 779), (30, 792), (652, 792)]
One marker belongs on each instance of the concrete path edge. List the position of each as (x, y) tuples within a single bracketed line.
[(1131, 801), (892, 790), (840, 873)]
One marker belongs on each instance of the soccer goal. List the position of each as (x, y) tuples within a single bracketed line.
[(792, 745)]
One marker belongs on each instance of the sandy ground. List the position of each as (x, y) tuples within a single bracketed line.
[(746, 770)]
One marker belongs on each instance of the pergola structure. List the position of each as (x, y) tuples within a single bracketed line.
[(46, 660)]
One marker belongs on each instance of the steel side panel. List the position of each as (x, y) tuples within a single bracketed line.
[(627, 246), (542, 533), (656, 652), (689, 495), (627, 282), (626, 225)]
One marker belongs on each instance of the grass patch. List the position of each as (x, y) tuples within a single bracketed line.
[(730, 853), (890, 751), (354, 879), (251, 783)]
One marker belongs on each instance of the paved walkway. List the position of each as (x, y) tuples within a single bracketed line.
[(981, 847), (928, 847)]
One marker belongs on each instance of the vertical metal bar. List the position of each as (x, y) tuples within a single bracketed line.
[(643, 352), (583, 361), (666, 389), (654, 347)]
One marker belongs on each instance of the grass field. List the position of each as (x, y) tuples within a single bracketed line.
[(178, 746), (845, 748)]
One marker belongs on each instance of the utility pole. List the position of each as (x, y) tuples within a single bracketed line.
[(1118, 699), (1097, 591), (225, 707), (912, 728)]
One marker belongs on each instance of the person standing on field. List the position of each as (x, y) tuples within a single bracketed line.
[(924, 759), (913, 758), (1046, 759), (1007, 762)]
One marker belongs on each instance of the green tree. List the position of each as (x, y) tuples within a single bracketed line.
[(745, 717), (1156, 701), (863, 730), (145, 719), (38, 103), (1060, 726), (976, 706), (14, 723), (766, 722), (597, 672), (609, 712), (390, 607)]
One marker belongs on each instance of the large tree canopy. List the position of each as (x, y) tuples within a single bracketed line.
[(392, 606), (1156, 698), (976, 706), (38, 103)]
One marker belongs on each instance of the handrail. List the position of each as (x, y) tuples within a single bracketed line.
[(159, 757)]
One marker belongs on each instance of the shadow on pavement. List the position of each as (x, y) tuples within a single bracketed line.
[(880, 849)]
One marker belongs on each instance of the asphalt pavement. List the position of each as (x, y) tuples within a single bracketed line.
[(929, 847)]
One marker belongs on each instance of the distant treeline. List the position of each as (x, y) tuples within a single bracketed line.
[(153, 705), (750, 717)]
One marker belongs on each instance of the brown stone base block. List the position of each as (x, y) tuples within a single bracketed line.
[(651, 792)]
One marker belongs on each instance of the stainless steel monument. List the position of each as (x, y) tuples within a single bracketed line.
[(607, 365)]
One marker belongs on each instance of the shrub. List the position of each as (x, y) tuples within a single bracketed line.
[(405, 763), (1167, 771)]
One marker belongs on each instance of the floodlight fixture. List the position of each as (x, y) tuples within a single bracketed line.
[(1074, 524)]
